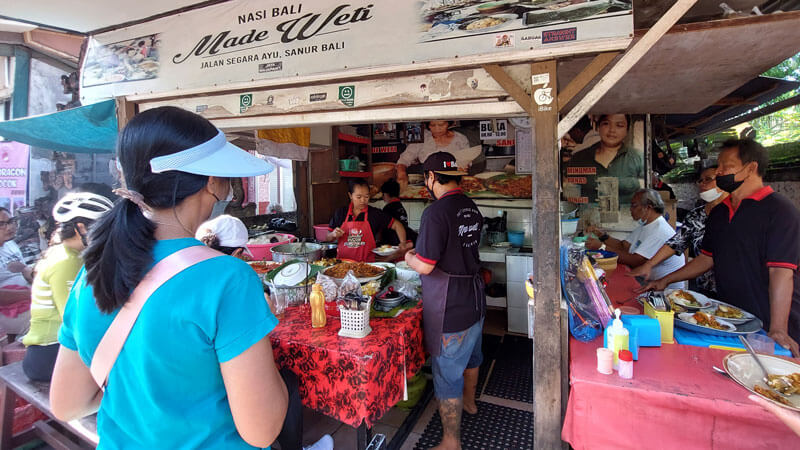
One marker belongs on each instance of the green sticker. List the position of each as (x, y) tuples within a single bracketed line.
[(245, 101), (347, 94)]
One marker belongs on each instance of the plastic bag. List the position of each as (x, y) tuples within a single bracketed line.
[(585, 314), (329, 287), (349, 285), (406, 288)]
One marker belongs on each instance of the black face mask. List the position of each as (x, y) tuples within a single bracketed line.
[(727, 182), (430, 191)]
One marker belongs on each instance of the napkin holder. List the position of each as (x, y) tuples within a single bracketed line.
[(666, 320)]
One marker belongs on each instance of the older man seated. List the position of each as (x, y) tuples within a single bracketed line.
[(647, 208), (15, 280)]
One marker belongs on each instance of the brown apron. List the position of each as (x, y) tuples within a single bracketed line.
[(434, 304)]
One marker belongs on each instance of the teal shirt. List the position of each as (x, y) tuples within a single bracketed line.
[(165, 389)]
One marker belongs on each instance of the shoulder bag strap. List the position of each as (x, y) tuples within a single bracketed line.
[(117, 333)]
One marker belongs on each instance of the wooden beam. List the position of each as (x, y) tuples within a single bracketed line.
[(545, 220), (506, 82), (125, 111), (628, 60), (734, 101), (585, 77)]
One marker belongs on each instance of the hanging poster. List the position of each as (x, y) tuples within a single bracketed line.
[(242, 41), (13, 174), (602, 163)]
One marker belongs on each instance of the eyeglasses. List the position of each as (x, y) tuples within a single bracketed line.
[(706, 180), (8, 222)]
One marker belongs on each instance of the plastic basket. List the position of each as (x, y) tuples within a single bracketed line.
[(348, 165), (355, 324)]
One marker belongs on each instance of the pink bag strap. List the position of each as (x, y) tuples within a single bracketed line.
[(117, 333)]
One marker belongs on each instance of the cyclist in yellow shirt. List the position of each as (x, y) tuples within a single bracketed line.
[(54, 277)]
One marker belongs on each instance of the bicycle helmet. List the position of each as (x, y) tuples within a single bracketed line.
[(81, 204)]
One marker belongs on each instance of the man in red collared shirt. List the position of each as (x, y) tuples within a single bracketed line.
[(752, 242)]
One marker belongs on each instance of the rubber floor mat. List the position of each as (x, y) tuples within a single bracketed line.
[(512, 375), (494, 427)]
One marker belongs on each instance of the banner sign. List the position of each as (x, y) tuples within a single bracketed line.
[(242, 41), (13, 174)]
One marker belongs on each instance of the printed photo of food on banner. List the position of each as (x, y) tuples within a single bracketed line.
[(485, 149)]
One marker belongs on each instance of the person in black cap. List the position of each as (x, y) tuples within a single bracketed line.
[(453, 299)]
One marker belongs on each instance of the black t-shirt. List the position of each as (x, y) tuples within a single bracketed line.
[(449, 236), (763, 232), (378, 220), (396, 210)]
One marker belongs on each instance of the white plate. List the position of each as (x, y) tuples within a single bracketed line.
[(292, 274), (384, 252), (743, 369), (747, 316), (385, 265), (704, 301), (687, 317)]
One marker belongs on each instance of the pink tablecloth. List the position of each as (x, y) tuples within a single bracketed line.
[(675, 401)]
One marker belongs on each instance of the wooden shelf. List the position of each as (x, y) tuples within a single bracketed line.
[(355, 139), (355, 174)]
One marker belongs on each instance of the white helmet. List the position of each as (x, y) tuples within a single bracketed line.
[(81, 204)]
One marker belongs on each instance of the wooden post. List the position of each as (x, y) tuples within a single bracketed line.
[(125, 111), (547, 375)]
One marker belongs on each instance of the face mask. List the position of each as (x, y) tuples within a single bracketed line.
[(430, 191), (728, 183), (710, 195)]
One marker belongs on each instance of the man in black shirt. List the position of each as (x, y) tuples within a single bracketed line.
[(751, 241), (452, 292), (394, 208)]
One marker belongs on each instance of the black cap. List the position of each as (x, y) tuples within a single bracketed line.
[(443, 163)]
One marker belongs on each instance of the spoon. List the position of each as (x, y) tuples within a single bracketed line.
[(753, 354), (722, 372)]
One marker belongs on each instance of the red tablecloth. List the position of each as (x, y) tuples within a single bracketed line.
[(674, 401), (351, 380)]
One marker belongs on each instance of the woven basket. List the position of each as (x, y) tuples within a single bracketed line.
[(355, 324)]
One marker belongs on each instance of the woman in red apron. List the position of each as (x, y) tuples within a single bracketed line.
[(354, 228)]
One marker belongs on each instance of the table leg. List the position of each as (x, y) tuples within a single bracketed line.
[(363, 436), (7, 417)]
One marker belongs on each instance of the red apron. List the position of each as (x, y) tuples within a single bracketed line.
[(357, 241)]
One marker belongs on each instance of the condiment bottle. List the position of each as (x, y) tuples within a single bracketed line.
[(617, 338), (625, 364), (317, 300)]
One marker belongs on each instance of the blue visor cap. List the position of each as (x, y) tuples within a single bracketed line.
[(215, 158)]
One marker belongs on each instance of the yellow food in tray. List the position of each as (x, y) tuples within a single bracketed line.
[(772, 395), (728, 312), (686, 298), (705, 320), (785, 384)]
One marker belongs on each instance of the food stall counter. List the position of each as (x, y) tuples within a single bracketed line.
[(675, 398)]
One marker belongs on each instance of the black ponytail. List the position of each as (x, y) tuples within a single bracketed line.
[(121, 242)]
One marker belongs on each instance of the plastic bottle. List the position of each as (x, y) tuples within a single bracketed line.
[(625, 364), (617, 338), (317, 300)]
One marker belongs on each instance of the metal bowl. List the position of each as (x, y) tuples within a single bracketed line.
[(391, 300), (296, 250)]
